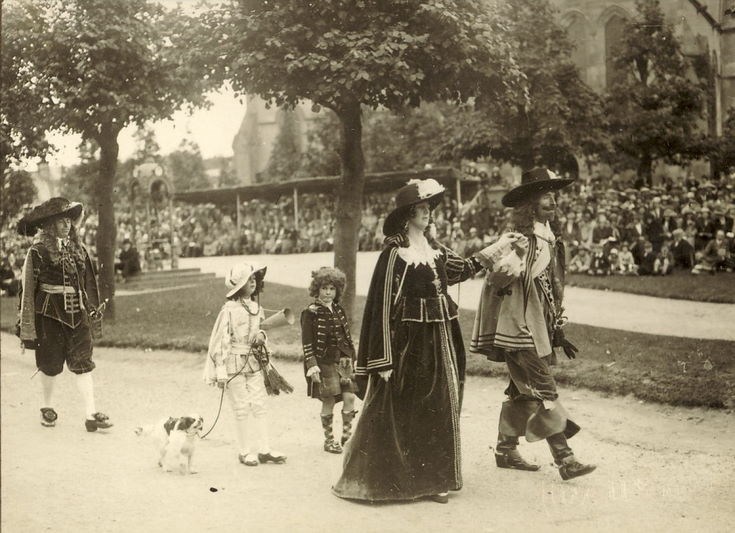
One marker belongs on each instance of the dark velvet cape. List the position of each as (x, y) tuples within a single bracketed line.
[(407, 444)]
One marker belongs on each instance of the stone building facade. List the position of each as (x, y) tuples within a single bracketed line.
[(253, 143), (703, 27)]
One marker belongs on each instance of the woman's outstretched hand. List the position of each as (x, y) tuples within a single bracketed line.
[(500, 249)]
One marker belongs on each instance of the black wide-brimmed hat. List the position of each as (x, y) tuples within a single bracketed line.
[(534, 183), (55, 207), (415, 192)]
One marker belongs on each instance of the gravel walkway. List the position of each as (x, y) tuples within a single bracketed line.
[(659, 468)]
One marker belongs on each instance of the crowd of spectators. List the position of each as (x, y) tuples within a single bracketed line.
[(608, 228), (679, 225)]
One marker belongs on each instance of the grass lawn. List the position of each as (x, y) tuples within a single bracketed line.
[(670, 370), (680, 285)]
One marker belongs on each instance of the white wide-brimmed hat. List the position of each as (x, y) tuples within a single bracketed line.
[(239, 275)]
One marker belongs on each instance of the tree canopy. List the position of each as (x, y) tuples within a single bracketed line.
[(285, 158), (92, 67), (78, 181), (185, 167), (372, 52), (343, 54), (392, 140), (725, 145), (557, 117), (17, 190), (656, 105), (22, 132)]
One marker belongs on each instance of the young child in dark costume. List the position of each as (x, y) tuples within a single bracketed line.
[(329, 354)]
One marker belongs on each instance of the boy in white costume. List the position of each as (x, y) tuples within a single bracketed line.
[(232, 363)]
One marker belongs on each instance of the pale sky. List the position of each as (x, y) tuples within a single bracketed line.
[(212, 129)]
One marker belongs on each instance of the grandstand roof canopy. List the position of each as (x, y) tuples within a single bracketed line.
[(382, 182)]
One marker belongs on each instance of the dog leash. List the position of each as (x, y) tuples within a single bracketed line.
[(219, 409)]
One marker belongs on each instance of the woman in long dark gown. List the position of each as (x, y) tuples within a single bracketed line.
[(407, 442)]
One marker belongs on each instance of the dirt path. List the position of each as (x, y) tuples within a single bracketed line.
[(660, 468), (630, 312)]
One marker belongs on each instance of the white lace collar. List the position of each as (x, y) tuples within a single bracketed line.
[(544, 241), (419, 251), (543, 231)]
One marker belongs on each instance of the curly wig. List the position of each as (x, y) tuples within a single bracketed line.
[(523, 217), (327, 276), (47, 234)]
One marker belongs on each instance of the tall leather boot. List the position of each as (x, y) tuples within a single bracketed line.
[(330, 445), (347, 418), (507, 455), (568, 465)]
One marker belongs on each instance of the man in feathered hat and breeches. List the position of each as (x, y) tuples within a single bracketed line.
[(59, 301), (519, 321)]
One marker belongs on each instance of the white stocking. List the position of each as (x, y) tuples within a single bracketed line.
[(47, 383), (261, 430), (242, 435), (86, 387)]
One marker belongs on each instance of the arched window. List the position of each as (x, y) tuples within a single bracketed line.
[(614, 32)]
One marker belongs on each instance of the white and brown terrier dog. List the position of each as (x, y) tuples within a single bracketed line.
[(175, 439)]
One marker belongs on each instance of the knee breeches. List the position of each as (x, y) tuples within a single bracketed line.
[(247, 395), (530, 377)]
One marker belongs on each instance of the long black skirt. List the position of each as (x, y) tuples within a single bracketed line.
[(406, 444)]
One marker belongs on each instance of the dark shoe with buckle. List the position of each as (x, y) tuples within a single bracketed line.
[(572, 468), (332, 446), (275, 458), (48, 417), (513, 460), (100, 421), (442, 497)]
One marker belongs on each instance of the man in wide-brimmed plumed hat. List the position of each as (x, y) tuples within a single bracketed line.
[(60, 299), (519, 322)]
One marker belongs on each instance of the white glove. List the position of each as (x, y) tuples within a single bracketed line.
[(385, 374), (492, 254), (315, 374)]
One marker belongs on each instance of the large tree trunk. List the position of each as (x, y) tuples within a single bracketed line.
[(107, 230), (645, 169), (349, 200)]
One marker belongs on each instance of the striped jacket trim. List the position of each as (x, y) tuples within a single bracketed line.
[(386, 359)]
